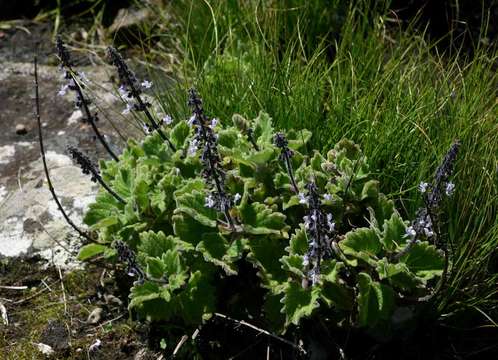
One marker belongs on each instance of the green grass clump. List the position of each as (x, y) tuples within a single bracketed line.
[(343, 73)]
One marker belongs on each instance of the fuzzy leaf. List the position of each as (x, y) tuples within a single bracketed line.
[(362, 243), (196, 301), (370, 190), (298, 243), (394, 232), (155, 268), (299, 302), (88, 251), (375, 301), (193, 204), (179, 134), (424, 260), (265, 253), (214, 248), (259, 219), (397, 274), (263, 130)]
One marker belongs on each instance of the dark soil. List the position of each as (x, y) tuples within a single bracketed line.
[(53, 310)]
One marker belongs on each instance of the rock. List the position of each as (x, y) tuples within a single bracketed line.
[(55, 336), (95, 316), (45, 349), (112, 300), (21, 129)]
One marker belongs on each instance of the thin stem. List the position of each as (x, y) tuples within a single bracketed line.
[(214, 170), (45, 167), (91, 119), (291, 173), (261, 331)]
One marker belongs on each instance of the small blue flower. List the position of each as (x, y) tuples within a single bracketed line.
[(146, 84), (450, 188), (422, 187)]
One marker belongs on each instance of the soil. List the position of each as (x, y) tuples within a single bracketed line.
[(47, 307)]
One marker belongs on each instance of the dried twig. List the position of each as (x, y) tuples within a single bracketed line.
[(182, 341), (262, 331)]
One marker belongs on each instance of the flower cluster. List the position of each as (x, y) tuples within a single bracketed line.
[(127, 255), (84, 162), (285, 155), (89, 168), (213, 173), (75, 84), (130, 90), (66, 65), (320, 228), (425, 224)]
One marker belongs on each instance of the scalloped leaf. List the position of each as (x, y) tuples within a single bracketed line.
[(197, 301), (362, 243), (394, 232), (259, 219), (179, 134), (299, 303), (375, 301), (424, 260), (398, 275), (263, 130)]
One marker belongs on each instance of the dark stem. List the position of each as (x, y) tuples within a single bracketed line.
[(109, 190), (45, 167), (143, 107), (290, 172), (91, 118), (214, 170)]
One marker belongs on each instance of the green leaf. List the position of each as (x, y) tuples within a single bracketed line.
[(375, 301), (425, 260), (103, 207), (88, 251), (298, 139), (394, 232), (370, 190), (193, 204), (259, 219), (179, 134), (272, 308), (265, 252), (299, 303), (293, 264), (155, 267), (197, 301), (188, 229), (263, 130), (144, 292), (215, 249), (155, 244), (105, 222), (398, 275), (298, 243), (361, 243)]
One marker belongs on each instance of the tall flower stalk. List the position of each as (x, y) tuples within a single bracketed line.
[(285, 155), (131, 88), (213, 171), (89, 168), (426, 223), (74, 84), (320, 228), (82, 233)]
